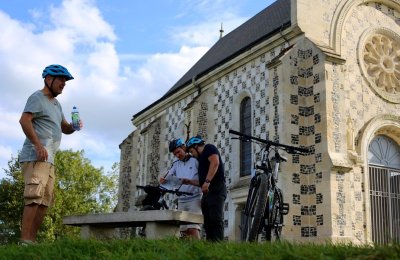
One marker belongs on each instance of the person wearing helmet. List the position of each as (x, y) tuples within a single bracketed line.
[(43, 123), (185, 169), (212, 183)]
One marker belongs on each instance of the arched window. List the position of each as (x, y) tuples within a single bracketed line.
[(245, 127), (384, 189), (383, 151)]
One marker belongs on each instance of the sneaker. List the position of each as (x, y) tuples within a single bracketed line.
[(24, 242)]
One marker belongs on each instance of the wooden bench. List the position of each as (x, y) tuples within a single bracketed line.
[(159, 223)]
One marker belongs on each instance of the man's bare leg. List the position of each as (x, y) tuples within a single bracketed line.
[(193, 233), (28, 219), (39, 217), (32, 219)]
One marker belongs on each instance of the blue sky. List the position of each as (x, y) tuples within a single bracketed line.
[(123, 54)]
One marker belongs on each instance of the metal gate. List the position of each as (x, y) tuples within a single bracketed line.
[(385, 204), (384, 190)]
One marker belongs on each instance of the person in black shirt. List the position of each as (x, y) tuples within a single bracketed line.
[(212, 183)]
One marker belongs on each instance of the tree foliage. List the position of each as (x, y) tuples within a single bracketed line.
[(80, 189), (11, 202)]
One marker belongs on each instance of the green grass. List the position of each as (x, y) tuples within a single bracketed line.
[(183, 249)]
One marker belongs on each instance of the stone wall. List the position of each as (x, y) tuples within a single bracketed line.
[(355, 99), (303, 124)]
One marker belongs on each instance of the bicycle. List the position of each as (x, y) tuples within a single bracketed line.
[(154, 200), (265, 199)]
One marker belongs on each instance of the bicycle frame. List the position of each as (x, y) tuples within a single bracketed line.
[(266, 162)]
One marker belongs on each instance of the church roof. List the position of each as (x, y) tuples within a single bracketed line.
[(260, 27)]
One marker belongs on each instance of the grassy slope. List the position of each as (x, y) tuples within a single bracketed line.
[(179, 249)]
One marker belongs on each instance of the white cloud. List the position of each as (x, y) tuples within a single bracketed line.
[(83, 20), (161, 71), (5, 156), (11, 136), (8, 120)]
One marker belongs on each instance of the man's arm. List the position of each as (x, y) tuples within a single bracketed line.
[(29, 131), (212, 170), (191, 182), (171, 171), (214, 163), (66, 127)]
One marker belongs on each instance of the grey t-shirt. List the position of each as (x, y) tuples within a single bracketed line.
[(47, 118)]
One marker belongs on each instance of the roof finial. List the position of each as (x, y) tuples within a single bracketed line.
[(221, 32)]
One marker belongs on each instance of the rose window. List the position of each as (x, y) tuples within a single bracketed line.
[(381, 60)]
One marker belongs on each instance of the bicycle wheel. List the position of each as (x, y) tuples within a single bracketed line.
[(273, 227), (255, 207), (246, 219)]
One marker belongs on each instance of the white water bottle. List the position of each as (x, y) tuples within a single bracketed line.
[(75, 119)]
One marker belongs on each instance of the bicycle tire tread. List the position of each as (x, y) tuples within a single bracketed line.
[(260, 208)]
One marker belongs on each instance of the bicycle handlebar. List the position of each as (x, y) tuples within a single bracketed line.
[(287, 148), (147, 188)]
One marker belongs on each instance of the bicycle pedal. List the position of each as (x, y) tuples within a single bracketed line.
[(284, 209)]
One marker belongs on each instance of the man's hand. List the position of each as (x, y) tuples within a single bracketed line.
[(41, 153), (204, 188), (79, 127), (163, 180), (67, 128)]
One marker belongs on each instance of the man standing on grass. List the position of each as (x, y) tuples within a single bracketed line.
[(212, 183), (185, 169), (43, 123)]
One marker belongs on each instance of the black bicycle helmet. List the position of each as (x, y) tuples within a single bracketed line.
[(58, 71), (175, 144)]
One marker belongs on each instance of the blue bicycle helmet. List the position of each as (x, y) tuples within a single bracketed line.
[(175, 144), (57, 70), (194, 140)]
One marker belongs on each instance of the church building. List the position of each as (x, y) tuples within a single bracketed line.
[(318, 74)]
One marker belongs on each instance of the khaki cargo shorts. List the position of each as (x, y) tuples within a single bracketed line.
[(39, 180), (191, 206)]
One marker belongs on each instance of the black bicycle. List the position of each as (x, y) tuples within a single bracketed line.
[(264, 209), (154, 199)]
